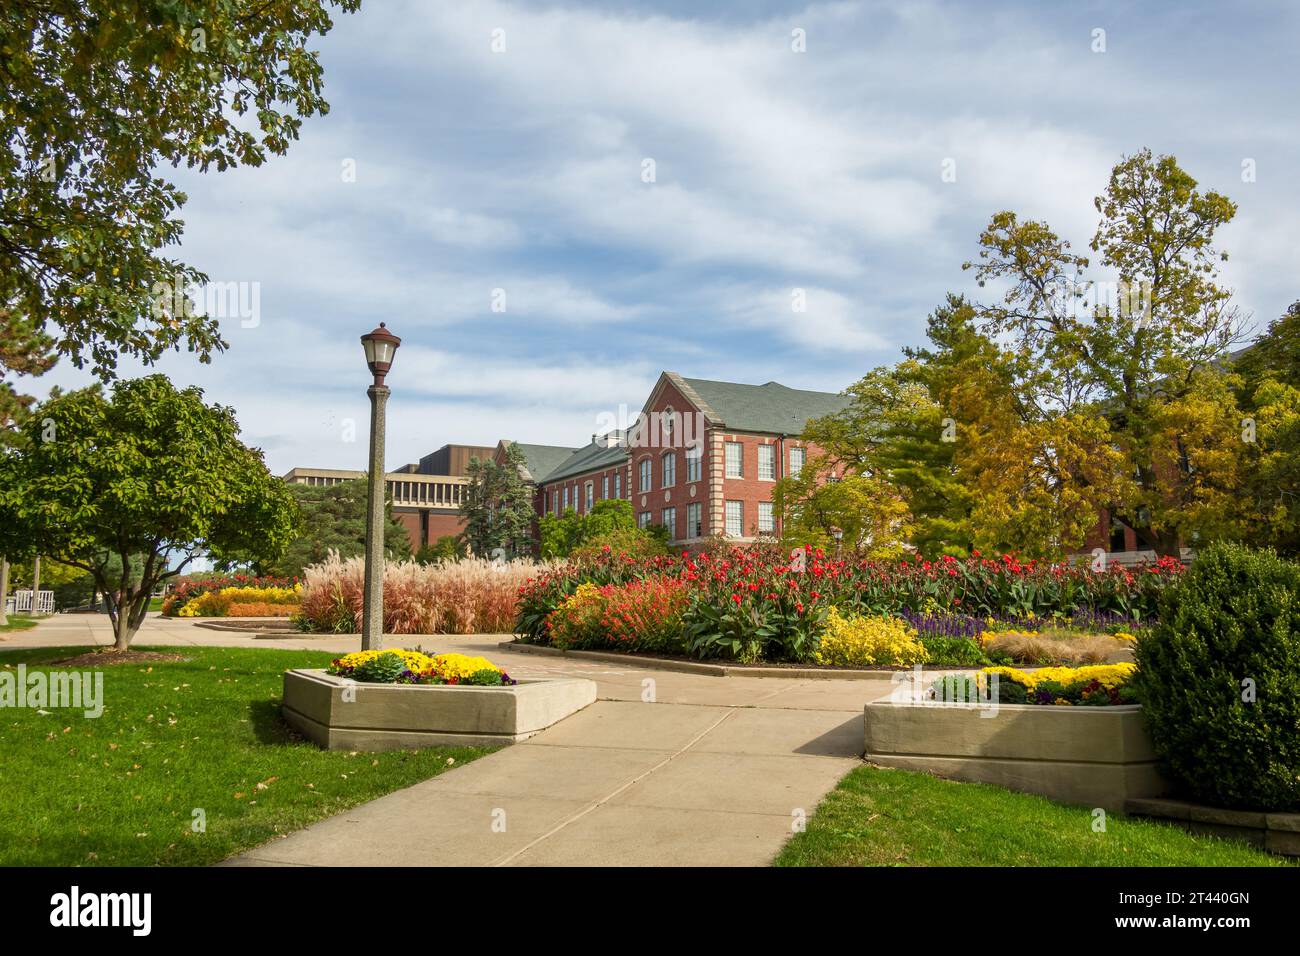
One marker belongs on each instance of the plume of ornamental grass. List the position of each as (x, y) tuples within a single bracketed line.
[(468, 596)]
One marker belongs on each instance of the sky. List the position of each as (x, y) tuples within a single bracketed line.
[(551, 203)]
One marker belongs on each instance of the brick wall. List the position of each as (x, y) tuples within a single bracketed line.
[(424, 530)]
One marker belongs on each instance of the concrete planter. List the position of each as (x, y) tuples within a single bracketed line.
[(1094, 756), (341, 714), (1275, 832)]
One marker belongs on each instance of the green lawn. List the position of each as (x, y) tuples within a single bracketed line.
[(17, 624), (204, 733), (878, 817)]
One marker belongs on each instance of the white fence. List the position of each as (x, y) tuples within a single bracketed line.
[(20, 602)]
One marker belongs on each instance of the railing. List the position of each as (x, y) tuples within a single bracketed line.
[(427, 491), (20, 602), (405, 489)]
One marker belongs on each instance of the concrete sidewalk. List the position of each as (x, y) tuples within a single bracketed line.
[(665, 768)]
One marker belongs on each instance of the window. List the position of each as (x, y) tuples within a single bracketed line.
[(694, 464), (735, 519), (694, 520), (618, 485), (552, 499), (566, 497), (643, 520), (669, 469), (797, 458), (767, 462), (735, 459), (604, 487), (591, 494), (766, 520), (670, 521), (645, 474)]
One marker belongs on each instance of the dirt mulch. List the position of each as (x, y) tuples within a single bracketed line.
[(110, 658)]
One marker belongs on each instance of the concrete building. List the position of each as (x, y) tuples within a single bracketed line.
[(426, 496)]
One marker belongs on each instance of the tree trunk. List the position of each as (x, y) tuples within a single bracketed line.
[(4, 590), (123, 630), (1167, 544), (36, 584)]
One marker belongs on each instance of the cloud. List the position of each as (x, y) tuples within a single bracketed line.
[(524, 171)]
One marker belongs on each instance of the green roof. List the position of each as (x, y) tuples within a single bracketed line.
[(594, 457), (541, 460), (773, 407)]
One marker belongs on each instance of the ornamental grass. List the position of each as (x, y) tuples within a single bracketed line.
[(469, 596)]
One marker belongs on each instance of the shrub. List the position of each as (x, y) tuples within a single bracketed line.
[(868, 642), (1219, 679), (637, 543), (968, 688), (953, 651)]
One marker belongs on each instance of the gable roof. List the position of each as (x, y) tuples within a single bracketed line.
[(541, 460), (771, 407), (596, 456)]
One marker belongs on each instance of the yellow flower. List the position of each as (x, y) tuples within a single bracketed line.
[(414, 660), (1108, 675), (868, 641), (460, 666)]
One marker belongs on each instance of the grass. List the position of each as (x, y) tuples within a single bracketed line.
[(17, 624), (880, 817), (175, 737)]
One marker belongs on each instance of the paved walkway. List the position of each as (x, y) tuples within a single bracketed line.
[(664, 769)]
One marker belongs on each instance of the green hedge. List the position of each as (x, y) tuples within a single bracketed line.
[(1229, 629)]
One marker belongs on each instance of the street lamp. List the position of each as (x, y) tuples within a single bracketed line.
[(380, 345), (838, 535)]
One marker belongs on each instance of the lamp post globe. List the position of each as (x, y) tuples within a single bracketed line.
[(380, 347)]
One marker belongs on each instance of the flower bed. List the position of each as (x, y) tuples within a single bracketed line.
[(416, 667), (233, 596), (763, 604), (1103, 685)]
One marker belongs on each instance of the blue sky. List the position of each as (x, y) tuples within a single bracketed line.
[(522, 171)]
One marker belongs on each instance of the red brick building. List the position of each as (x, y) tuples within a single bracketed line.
[(700, 459)]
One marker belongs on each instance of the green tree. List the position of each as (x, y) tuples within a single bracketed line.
[(608, 520), (1274, 354), (498, 506), (333, 518), (96, 98), (1143, 363), (151, 472), (559, 534)]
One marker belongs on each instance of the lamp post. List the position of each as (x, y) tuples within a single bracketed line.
[(838, 535), (380, 345)]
